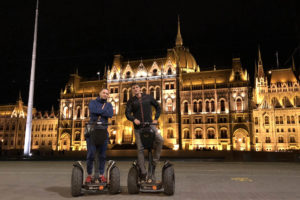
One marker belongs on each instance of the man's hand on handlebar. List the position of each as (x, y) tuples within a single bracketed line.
[(137, 122)]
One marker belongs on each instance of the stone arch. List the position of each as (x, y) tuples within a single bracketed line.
[(241, 140)]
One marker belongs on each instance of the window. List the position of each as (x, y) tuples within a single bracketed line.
[(125, 96), (116, 90), (256, 120), (111, 90), (267, 130), (292, 139), (256, 130), (211, 134), (238, 105), (186, 107), (223, 134), (169, 71), (78, 112), (280, 139), (207, 106), (288, 120), (198, 134), (256, 140), (277, 120), (36, 143), (186, 134), (49, 143), (282, 130), (195, 107), (114, 76), (293, 119), (289, 130), (170, 133), (172, 86), (152, 92), (170, 120), (155, 72), (237, 76), (222, 102), (294, 130), (267, 120), (167, 86), (86, 111), (77, 136), (144, 90), (268, 140), (157, 94), (212, 103), (200, 106), (128, 74), (281, 120)]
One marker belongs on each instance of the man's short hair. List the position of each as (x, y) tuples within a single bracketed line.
[(103, 89), (134, 83)]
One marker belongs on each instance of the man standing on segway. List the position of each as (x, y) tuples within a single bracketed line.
[(139, 109), (100, 110)]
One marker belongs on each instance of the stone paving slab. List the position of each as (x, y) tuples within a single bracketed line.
[(195, 179)]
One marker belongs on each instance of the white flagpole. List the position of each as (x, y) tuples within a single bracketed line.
[(27, 143)]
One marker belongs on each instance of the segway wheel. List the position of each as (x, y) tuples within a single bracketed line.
[(132, 181), (76, 182), (114, 181), (169, 181)]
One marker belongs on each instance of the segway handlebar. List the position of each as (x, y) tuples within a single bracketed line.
[(98, 123), (148, 123)]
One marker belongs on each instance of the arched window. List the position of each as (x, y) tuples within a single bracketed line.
[(170, 133), (223, 133), (170, 71), (125, 96), (212, 106), (78, 112), (186, 107), (195, 107), (238, 105), (207, 106), (280, 139), (292, 119), (198, 134), (154, 73), (169, 104), (114, 76), (211, 134), (256, 120), (186, 134), (157, 93), (267, 120), (128, 74), (77, 136), (200, 106), (222, 104), (152, 92), (292, 139), (86, 112), (66, 112), (288, 120)]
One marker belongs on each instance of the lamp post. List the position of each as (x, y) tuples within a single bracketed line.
[(98, 73)]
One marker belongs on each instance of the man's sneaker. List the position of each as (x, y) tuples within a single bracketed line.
[(102, 179), (88, 179), (143, 177)]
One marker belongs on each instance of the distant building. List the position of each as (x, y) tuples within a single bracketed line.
[(276, 111)]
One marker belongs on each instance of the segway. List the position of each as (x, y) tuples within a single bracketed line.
[(79, 173), (167, 182)]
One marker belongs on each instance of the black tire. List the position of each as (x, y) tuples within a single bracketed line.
[(114, 181), (76, 182), (132, 181), (169, 181)]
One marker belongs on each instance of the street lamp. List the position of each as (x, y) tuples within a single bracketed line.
[(98, 73)]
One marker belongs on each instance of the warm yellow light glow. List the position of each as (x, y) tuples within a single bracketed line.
[(176, 147), (114, 132)]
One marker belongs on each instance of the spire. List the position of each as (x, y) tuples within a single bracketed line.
[(293, 64), (277, 60), (260, 64), (255, 68), (179, 38)]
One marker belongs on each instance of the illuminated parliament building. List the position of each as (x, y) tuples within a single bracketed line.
[(213, 109)]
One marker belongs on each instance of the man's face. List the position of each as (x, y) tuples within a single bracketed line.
[(104, 94), (136, 89)]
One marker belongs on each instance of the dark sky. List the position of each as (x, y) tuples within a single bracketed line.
[(86, 34)]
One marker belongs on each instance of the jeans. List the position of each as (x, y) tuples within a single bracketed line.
[(157, 146), (91, 151)]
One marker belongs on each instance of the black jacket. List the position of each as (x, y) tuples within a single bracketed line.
[(134, 109)]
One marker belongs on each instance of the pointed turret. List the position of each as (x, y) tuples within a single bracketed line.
[(293, 64), (178, 38), (260, 64)]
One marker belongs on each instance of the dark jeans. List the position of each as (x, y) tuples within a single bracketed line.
[(91, 151)]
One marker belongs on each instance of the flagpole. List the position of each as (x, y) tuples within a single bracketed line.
[(27, 143)]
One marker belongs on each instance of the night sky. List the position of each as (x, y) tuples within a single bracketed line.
[(86, 34)]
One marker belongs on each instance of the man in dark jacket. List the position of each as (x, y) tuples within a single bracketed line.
[(100, 110), (139, 109)]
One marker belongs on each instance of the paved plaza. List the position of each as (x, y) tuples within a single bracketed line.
[(195, 179)]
